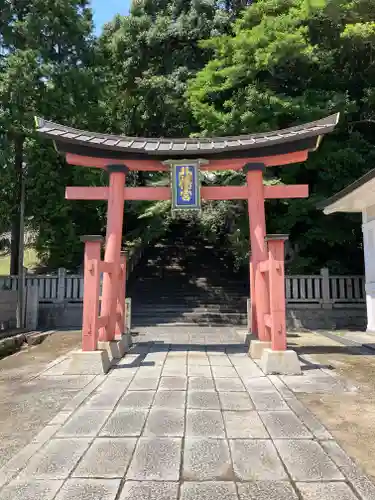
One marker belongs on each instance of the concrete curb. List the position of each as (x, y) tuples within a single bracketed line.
[(344, 341), (35, 338), (10, 345)]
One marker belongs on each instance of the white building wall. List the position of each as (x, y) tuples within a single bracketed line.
[(368, 228)]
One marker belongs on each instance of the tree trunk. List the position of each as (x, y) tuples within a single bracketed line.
[(15, 230)]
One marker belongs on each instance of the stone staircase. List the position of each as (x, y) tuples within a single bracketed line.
[(183, 282)]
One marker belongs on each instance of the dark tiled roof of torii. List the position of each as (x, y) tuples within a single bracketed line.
[(298, 138)]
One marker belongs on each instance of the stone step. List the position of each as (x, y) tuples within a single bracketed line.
[(166, 289), (204, 318), (175, 299), (170, 308)]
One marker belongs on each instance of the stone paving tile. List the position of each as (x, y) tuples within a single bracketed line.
[(361, 483), (18, 462), (143, 384), (165, 422), (60, 418), (84, 423), (209, 490), (197, 358), (244, 424), (256, 460), (157, 358), (130, 359), (284, 425), (266, 490), (220, 361), (173, 383), (224, 372), (175, 362), (149, 490), (169, 399), (125, 422), (30, 489), (180, 355), (229, 384), (249, 370), (46, 434), (156, 459), (204, 400), (268, 401), (326, 491), (104, 399), (180, 364), (176, 371), (207, 459), (115, 385), (123, 372), (137, 399), (89, 489), (75, 402), (311, 422), (313, 382), (201, 384), (205, 423), (307, 461), (258, 384), (235, 401), (56, 460), (106, 458), (153, 372), (57, 367), (199, 371)]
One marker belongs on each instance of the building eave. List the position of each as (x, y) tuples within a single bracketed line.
[(353, 198)]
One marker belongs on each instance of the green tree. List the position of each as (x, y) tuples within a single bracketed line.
[(149, 56), (147, 59), (46, 68), (289, 62)]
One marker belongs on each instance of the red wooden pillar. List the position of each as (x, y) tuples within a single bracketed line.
[(115, 216), (257, 220), (92, 290), (252, 324), (120, 322), (277, 291)]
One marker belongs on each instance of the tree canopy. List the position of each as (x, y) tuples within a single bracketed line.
[(183, 68)]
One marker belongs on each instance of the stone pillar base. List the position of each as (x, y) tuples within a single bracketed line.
[(257, 347), (89, 363), (280, 362), (127, 340), (116, 349), (246, 336)]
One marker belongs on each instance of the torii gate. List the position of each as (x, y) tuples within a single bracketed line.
[(103, 327)]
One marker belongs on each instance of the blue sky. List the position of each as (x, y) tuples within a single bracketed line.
[(104, 10)]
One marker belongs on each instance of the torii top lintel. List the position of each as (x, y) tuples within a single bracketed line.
[(280, 147)]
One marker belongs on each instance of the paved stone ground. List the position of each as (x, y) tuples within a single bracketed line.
[(187, 415), (29, 398)]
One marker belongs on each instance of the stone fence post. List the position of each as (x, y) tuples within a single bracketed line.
[(326, 302), (61, 273), (32, 306)]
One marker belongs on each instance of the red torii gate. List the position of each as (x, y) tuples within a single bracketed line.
[(118, 155)]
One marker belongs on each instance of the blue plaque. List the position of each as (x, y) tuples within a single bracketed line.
[(185, 186)]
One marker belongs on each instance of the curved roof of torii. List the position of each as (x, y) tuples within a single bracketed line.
[(97, 145)]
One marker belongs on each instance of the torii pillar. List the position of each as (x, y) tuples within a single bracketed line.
[(257, 221), (115, 218)]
